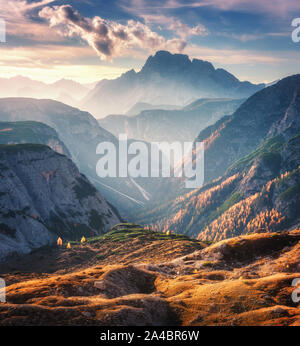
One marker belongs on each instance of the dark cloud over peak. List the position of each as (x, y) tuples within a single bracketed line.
[(109, 38)]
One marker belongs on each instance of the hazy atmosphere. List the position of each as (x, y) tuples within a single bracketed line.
[(149, 168), (90, 40)]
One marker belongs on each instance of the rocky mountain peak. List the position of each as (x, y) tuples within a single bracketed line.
[(166, 63), (165, 78)]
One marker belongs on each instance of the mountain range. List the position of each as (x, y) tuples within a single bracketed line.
[(147, 251), (160, 125), (64, 90), (251, 171), (143, 106), (270, 112), (231, 129), (80, 134), (166, 78)]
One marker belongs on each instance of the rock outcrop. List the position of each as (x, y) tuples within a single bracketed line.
[(20, 132), (43, 196)]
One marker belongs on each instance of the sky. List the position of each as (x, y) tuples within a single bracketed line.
[(89, 40)]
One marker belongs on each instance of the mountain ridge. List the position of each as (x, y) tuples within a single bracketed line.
[(171, 125), (31, 132), (43, 196), (252, 171), (63, 90), (261, 191), (260, 117), (81, 134), (165, 79)]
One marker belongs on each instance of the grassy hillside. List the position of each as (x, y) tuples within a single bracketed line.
[(134, 277)]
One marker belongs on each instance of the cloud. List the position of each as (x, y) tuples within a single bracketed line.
[(52, 62), (16, 10), (175, 25), (275, 7), (108, 38), (18, 17), (238, 57), (280, 8), (243, 37), (185, 31)]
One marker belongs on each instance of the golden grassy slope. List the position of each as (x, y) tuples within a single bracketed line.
[(240, 281)]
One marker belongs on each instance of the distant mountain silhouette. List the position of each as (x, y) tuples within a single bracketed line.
[(143, 106), (161, 125), (165, 78), (64, 90), (80, 133)]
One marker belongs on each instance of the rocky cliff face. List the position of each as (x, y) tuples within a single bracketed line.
[(79, 131), (270, 112), (43, 196), (260, 191), (81, 134), (165, 79), (251, 170), (31, 132)]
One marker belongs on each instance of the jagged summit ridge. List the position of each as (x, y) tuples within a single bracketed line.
[(165, 78)]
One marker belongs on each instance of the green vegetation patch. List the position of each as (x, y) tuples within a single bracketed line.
[(268, 151), (96, 220), (290, 192), (25, 131), (272, 160), (132, 231), (207, 264), (234, 198), (6, 230), (15, 148), (83, 189)]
